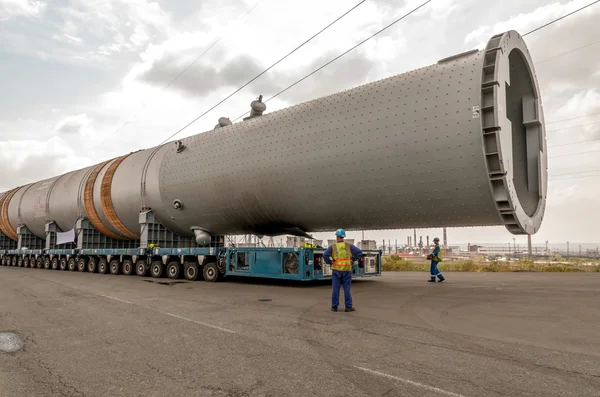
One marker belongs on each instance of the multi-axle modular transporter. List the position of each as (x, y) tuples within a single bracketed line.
[(458, 143)]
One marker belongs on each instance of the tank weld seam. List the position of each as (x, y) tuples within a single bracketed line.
[(7, 228), (144, 174), (106, 199), (90, 208)]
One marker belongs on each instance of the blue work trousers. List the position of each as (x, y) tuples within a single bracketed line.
[(338, 279), (435, 271)]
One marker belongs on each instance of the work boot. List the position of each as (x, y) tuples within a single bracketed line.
[(334, 309), (441, 279), (350, 309), (431, 281)]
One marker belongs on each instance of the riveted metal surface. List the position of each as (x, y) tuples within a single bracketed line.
[(107, 202), (400, 152)]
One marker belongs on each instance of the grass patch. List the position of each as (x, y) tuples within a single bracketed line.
[(399, 264)]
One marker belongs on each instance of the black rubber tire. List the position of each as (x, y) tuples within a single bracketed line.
[(73, 263), (55, 263), (115, 267), (156, 269), (210, 272), (39, 262), (62, 265), (174, 270), (83, 264), (128, 267), (92, 265), (102, 266), (191, 271), (47, 263), (26, 262), (141, 268)]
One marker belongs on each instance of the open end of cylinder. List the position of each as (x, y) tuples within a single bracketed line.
[(514, 133), (526, 142)]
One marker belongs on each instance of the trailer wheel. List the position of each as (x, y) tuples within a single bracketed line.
[(92, 265), (62, 265), (210, 272), (174, 270), (127, 267), (26, 262), (82, 264), (14, 261), (191, 271), (55, 263), (102, 266), (46, 263), (140, 268), (74, 264), (39, 262), (115, 266), (156, 269)]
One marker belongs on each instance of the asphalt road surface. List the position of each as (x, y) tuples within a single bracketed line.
[(494, 334)]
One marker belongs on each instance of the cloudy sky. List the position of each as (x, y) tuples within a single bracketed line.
[(84, 80)]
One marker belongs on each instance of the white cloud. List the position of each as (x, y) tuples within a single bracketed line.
[(26, 8)]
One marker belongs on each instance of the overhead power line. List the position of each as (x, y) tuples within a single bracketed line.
[(344, 53), (194, 61), (574, 126), (576, 142), (573, 118), (263, 72), (563, 17), (574, 154), (574, 177), (568, 52), (574, 173)]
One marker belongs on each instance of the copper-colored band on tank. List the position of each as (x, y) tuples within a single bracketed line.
[(5, 225), (88, 202), (106, 200)]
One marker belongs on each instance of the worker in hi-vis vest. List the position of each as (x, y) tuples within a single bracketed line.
[(343, 255), (436, 257)]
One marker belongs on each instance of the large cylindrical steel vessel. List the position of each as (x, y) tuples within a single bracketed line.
[(458, 143)]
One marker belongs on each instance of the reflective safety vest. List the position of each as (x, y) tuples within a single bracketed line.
[(437, 254), (342, 257)]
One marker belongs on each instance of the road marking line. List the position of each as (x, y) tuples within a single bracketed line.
[(410, 382), (117, 299), (199, 322), (172, 315)]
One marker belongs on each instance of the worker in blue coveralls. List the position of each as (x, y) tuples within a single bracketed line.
[(343, 255), (436, 257)]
